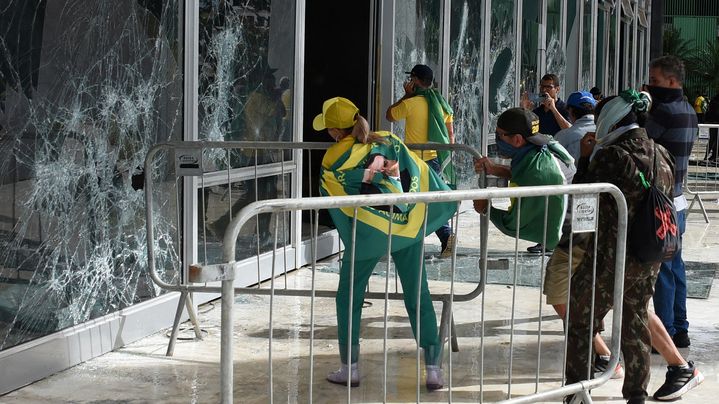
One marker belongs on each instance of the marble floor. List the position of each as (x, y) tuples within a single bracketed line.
[(302, 354)]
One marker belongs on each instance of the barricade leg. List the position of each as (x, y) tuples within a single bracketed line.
[(193, 316), (176, 324), (697, 198), (226, 370), (186, 302), (447, 321)]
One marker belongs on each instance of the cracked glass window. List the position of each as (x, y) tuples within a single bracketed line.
[(466, 83), (556, 58), (246, 75), (86, 89), (588, 31), (417, 40), (501, 56)]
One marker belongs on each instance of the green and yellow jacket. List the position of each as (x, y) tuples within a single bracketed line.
[(343, 169)]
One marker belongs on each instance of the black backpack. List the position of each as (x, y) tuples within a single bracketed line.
[(654, 233)]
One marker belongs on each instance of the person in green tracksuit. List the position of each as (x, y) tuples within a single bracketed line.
[(536, 160), (365, 162)]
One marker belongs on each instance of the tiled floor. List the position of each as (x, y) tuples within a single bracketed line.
[(140, 372)]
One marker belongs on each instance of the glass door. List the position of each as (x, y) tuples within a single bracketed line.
[(245, 66)]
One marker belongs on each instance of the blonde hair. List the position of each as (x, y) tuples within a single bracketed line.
[(362, 133)]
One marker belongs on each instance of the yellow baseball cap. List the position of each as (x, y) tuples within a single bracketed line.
[(337, 112)]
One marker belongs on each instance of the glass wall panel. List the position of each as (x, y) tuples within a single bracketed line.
[(530, 40), (219, 204), (601, 58), (86, 89), (465, 82), (612, 56), (417, 39), (556, 58), (246, 64), (501, 56), (588, 32)]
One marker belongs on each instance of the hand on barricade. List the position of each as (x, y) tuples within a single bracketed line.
[(480, 205), (485, 165)]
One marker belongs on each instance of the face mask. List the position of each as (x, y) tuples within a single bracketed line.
[(505, 149)]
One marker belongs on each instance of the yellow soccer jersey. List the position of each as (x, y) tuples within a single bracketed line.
[(414, 111)]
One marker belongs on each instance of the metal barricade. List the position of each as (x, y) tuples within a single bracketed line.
[(702, 180), (226, 272), (193, 274)]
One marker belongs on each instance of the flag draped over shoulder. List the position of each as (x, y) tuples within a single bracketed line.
[(437, 108), (343, 170)]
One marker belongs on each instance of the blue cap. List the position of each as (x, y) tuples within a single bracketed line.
[(576, 99)]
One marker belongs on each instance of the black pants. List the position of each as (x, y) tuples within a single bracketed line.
[(711, 153)]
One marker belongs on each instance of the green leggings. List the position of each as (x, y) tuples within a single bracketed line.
[(406, 262)]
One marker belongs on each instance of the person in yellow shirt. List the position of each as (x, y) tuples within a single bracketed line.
[(428, 118), (700, 107)]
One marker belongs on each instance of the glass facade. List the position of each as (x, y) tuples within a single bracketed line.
[(556, 53), (466, 82), (246, 73), (417, 40), (586, 81), (86, 88), (502, 48)]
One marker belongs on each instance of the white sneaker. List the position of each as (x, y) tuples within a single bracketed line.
[(339, 376), (435, 381)]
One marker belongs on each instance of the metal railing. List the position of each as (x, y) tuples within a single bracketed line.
[(193, 274), (702, 180), (226, 273)]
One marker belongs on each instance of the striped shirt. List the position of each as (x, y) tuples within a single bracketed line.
[(673, 124)]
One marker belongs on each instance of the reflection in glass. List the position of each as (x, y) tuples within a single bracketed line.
[(465, 91), (556, 59), (601, 49), (86, 89), (219, 204), (586, 81), (530, 39), (613, 53), (502, 78), (417, 39), (629, 54), (246, 57)]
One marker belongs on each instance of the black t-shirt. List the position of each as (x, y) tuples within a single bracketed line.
[(547, 124)]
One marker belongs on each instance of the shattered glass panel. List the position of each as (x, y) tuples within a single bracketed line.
[(530, 39), (246, 65), (629, 55), (501, 56), (613, 54), (556, 58), (220, 203), (465, 83), (587, 33), (86, 89), (601, 49), (417, 40)]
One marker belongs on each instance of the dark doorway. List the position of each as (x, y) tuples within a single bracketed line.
[(337, 49)]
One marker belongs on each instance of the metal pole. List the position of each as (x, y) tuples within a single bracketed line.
[(226, 362)]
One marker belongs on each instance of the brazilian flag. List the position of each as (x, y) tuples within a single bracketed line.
[(343, 172)]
